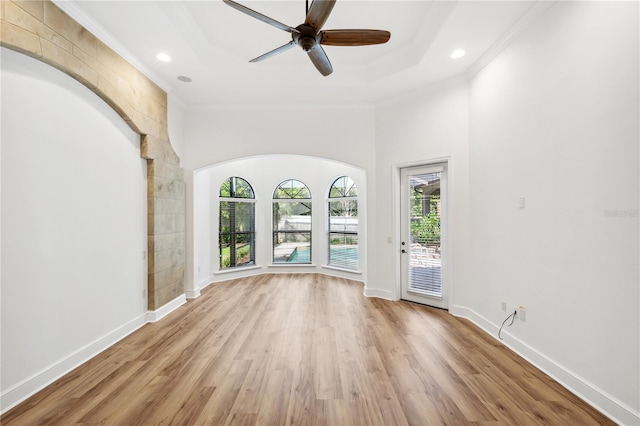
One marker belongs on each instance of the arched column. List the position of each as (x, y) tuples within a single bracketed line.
[(38, 28)]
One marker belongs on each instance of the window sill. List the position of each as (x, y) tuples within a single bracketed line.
[(292, 265), (337, 268), (236, 269)]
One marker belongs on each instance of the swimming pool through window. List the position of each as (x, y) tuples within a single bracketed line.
[(292, 223), (343, 223)]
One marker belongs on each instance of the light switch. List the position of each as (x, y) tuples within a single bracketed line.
[(521, 202)]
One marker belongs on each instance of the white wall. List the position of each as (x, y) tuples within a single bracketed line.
[(413, 130), (73, 225), (341, 134), (554, 119)]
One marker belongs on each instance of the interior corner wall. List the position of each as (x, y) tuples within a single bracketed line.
[(555, 119), (74, 277), (417, 129)]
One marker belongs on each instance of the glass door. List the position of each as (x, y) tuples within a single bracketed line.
[(423, 218)]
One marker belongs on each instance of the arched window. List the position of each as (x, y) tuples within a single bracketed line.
[(343, 223), (292, 223), (237, 230)]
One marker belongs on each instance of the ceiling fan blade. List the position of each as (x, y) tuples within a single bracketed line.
[(320, 60), (260, 16), (274, 52), (319, 12), (354, 37)]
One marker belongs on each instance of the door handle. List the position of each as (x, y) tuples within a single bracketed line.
[(403, 251)]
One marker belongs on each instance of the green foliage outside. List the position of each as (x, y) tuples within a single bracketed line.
[(243, 255), (425, 229), (346, 240), (292, 189), (235, 187), (343, 187), (343, 208)]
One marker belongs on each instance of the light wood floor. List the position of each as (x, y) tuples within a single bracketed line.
[(304, 349)]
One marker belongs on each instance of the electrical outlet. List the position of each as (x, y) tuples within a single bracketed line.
[(521, 313), (504, 306)]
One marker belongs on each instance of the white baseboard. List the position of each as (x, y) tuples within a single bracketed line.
[(381, 294), (24, 389), (599, 399), (193, 294), (31, 385), (163, 311), (206, 282)]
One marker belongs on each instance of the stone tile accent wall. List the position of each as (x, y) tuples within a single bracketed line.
[(38, 28)]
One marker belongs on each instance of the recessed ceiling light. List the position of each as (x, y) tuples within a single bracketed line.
[(163, 57), (184, 79), (458, 53)]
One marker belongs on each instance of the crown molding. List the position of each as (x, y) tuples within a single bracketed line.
[(538, 9)]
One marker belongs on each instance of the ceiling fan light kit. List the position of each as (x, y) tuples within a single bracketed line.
[(309, 35)]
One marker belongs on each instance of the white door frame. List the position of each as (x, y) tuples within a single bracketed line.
[(445, 225)]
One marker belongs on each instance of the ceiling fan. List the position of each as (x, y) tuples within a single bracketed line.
[(309, 35)]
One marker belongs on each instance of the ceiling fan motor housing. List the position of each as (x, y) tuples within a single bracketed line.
[(307, 37)]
